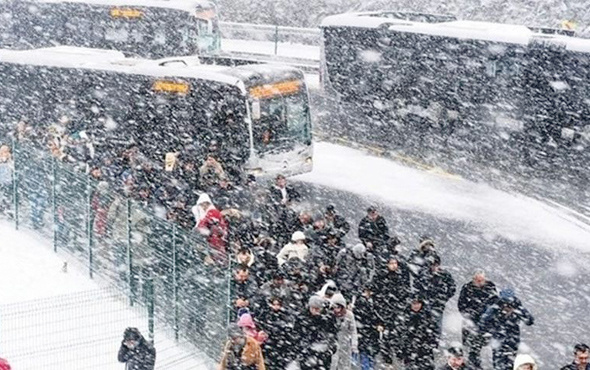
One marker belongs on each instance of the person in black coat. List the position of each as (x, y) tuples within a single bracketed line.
[(282, 194), (437, 286), (136, 352), (421, 258), (502, 320), (243, 289), (277, 323), (322, 260), (474, 299), (316, 335), (581, 360), (336, 222), (392, 292), (373, 231), (419, 339), (369, 328)]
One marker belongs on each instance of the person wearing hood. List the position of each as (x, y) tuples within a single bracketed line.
[(355, 269), (136, 352), (347, 334), (420, 259), (4, 365), (455, 360), (246, 322), (502, 321), (296, 248), (241, 352), (212, 225), (316, 335), (581, 359), (474, 299), (373, 231), (210, 173), (524, 362)]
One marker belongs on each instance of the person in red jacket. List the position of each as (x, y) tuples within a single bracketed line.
[(212, 225), (4, 365)]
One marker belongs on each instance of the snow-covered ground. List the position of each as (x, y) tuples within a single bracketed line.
[(513, 216), (56, 319)]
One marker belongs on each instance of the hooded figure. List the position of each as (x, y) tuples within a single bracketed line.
[(502, 321), (525, 362), (297, 248), (347, 334), (136, 352), (4, 364), (211, 224), (241, 352), (249, 327)]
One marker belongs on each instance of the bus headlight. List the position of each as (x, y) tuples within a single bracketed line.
[(256, 171), (309, 160)]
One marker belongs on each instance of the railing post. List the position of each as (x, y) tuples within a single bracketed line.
[(128, 251), (276, 39), (54, 201), (89, 224), (15, 184), (175, 281), (150, 304)]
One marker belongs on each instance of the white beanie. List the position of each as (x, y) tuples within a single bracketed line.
[(297, 235), (338, 299)]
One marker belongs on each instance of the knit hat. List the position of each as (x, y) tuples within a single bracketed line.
[(524, 360), (338, 300), (298, 235), (359, 250)]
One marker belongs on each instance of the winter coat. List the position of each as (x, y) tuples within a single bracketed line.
[(141, 250), (574, 366), (209, 175), (420, 260), (338, 224), (473, 301), (271, 290), (437, 287), (374, 232), (315, 336), (419, 339), (211, 224), (347, 342), (249, 327), (352, 273), (279, 347), (292, 250), (276, 195), (142, 357), (249, 358), (247, 290), (505, 328), (392, 292), (367, 319), (4, 364)]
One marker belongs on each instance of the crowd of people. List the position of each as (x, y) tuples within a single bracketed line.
[(301, 291)]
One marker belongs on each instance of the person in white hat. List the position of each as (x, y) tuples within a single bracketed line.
[(524, 362), (296, 248)]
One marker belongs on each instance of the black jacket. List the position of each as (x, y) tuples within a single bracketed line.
[(315, 335), (375, 232), (505, 328), (473, 301), (276, 196), (367, 320), (142, 357), (279, 347), (339, 225), (437, 288), (392, 292), (574, 366), (419, 338)]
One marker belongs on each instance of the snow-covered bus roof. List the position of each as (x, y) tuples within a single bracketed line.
[(473, 30), (184, 5), (109, 60)]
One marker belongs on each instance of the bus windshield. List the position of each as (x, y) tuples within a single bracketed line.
[(138, 31)]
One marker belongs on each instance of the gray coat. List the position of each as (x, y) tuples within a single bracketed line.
[(347, 343)]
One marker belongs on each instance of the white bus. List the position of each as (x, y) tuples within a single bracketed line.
[(424, 83), (258, 115), (142, 28)]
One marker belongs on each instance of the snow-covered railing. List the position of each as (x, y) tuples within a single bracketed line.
[(272, 33)]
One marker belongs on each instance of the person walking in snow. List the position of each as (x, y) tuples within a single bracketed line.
[(276, 321), (419, 338), (581, 359), (211, 224), (136, 352), (502, 321), (524, 362), (455, 360), (373, 231), (241, 352), (474, 299), (369, 327), (355, 269), (296, 248), (347, 334)]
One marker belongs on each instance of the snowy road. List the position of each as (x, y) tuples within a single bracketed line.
[(539, 249)]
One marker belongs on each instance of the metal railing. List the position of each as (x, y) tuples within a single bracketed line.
[(154, 262)]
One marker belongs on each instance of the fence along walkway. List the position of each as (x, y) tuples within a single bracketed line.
[(156, 264)]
